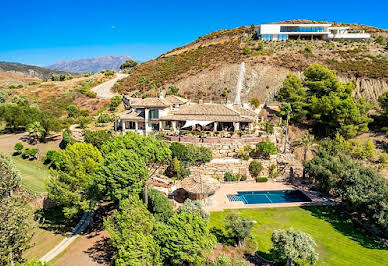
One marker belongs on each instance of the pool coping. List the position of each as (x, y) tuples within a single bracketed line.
[(220, 201)]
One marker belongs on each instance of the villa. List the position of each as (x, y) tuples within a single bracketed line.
[(174, 113), (281, 32)]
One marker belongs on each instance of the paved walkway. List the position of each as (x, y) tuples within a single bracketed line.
[(83, 223), (220, 202), (104, 90)]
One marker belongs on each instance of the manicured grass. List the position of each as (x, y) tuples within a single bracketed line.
[(339, 241), (33, 174)]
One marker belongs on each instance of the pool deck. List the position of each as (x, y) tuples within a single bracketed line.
[(220, 202)]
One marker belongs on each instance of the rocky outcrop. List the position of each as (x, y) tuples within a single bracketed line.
[(261, 81)]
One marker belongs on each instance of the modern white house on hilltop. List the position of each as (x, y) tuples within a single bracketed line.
[(280, 32)]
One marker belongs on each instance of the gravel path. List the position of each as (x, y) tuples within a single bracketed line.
[(104, 90)]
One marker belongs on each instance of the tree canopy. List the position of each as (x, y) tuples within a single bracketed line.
[(72, 185), (9, 176), (185, 239), (131, 230), (298, 247), (15, 215), (128, 64), (121, 175), (325, 100), (238, 226)]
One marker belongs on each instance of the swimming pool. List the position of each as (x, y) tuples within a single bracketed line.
[(270, 196)]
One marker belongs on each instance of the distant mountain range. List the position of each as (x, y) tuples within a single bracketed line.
[(29, 70), (93, 65)]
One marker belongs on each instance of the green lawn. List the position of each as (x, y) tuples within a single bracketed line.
[(339, 241), (33, 174)]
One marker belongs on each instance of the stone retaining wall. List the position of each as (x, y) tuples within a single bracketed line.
[(217, 169)]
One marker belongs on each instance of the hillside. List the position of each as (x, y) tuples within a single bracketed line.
[(93, 65), (29, 71), (207, 67)]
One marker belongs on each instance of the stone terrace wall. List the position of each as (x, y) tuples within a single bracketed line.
[(218, 167)]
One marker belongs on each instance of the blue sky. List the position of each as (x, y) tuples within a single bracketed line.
[(42, 32)]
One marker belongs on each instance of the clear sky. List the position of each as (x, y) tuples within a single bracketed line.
[(42, 32)]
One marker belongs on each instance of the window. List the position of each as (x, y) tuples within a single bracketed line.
[(267, 37), (301, 29), (154, 113), (282, 37)]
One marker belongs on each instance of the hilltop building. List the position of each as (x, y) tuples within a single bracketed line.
[(282, 32), (175, 113)]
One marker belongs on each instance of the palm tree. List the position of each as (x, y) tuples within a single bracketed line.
[(307, 141), (36, 130), (285, 110)]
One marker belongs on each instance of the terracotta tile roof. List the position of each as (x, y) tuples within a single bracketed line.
[(176, 99), (129, 115), (210, 112), (200, 185), (151, 102)]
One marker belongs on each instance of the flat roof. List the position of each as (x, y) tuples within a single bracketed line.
[(299, 25)]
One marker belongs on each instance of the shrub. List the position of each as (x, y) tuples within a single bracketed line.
[(194, 206), (108, 72), (104, 118), (261, 179), (255, 168), (18, 147), (30, 153), (72, 110), (191, 153), (172, 90), (114, 103), (84, 121), (260, 46), (272, 171), (266, 148), (255, 102), (178, 169), (269, 127), (379, 39), (52, 158), (159, 205), (308, 49), (229, 177)]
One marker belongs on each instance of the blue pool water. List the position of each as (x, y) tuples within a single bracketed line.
[(268, 197)]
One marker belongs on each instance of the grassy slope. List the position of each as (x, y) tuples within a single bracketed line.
[(33, 174), (339, 242)]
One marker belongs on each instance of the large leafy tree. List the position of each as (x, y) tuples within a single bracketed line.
[(131, 230), (122, 174), (15, 215), (154, 153), (73, 183), (239, 227), (293, 92), (327, 101), (9, 176), (128, 64), (16, 220), (293, 247), (185, 239), (361, 189)]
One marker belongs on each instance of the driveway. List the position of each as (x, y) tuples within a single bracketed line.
[(104, 90)]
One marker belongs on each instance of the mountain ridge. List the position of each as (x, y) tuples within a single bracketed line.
[(29, 70), (94, 65)]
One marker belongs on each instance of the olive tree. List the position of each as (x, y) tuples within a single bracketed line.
[(293, 247)]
